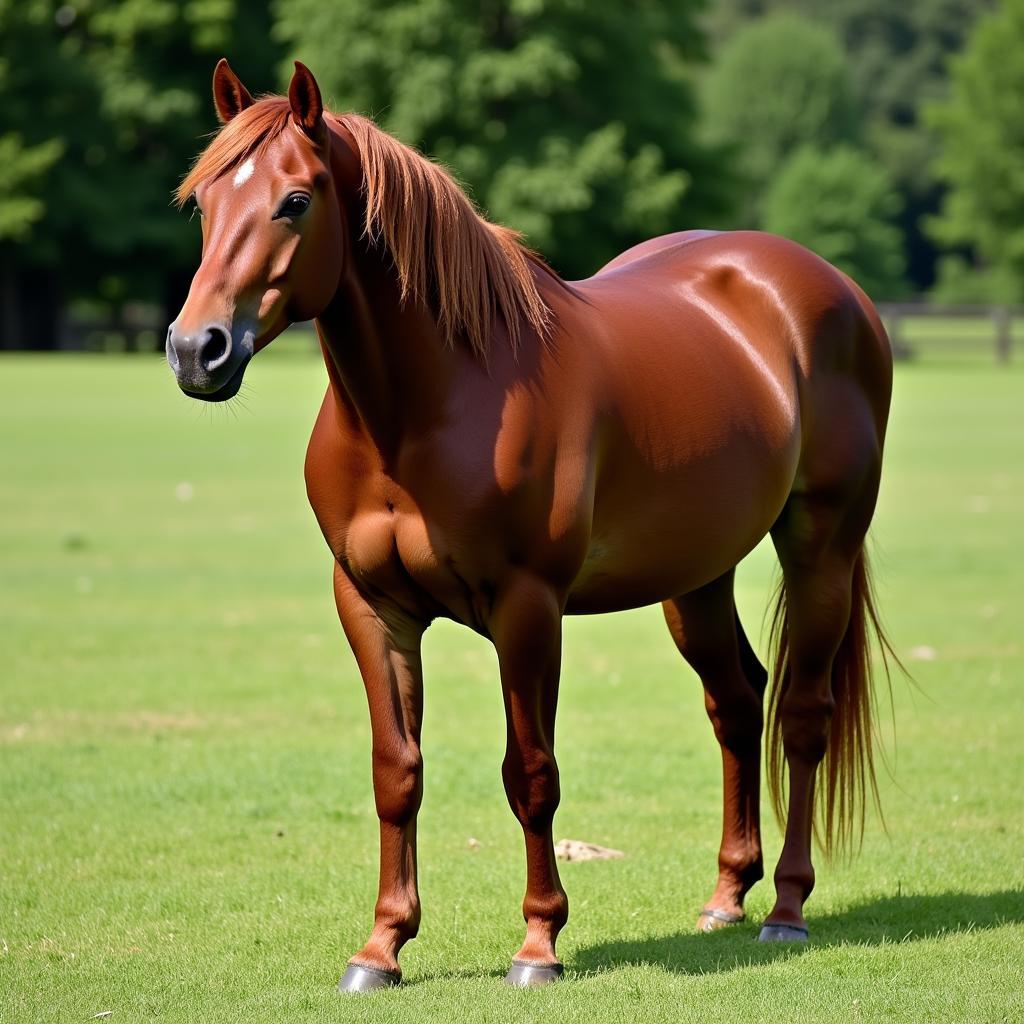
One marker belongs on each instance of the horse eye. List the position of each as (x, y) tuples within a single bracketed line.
[(297, 203)]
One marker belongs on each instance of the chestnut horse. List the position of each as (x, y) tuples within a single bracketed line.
[(501, 448)]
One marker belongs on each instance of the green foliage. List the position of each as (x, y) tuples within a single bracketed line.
[(111, 100), (982, 127), (573, 122), (22, 170), (897, 55), (48, 105), (841, 204), (959, 280), (777, 84)]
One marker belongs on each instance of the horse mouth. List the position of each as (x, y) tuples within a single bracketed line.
[(226, 390)]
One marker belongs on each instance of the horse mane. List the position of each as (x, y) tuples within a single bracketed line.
[(445, 253)]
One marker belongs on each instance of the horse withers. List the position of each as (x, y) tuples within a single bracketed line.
[(502, 448)]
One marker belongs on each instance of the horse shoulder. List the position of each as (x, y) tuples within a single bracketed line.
[(340, 473)]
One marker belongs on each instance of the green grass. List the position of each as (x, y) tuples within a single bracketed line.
[(186, 820)]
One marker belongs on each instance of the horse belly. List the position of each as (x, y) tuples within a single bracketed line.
[(659, 534)]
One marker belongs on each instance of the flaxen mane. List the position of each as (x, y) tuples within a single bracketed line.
[(466, 269)]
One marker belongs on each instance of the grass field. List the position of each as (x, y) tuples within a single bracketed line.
[(186, 820)]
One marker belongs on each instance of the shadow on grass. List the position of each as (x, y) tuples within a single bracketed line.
[(891, 919)]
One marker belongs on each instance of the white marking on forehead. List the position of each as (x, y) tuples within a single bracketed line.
[(244, 173)]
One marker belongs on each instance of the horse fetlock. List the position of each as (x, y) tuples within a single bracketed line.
[(546, 913), (794, 885), (743, 866), (397, 918)]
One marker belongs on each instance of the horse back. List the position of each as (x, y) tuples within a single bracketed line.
[(719, 352)]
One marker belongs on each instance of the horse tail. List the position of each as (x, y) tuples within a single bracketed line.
[(846, 779)]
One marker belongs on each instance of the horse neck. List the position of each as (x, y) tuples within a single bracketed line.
[(387, 361)]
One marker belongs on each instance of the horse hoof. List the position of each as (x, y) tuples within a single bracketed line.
[(358, 978), (523, 974), (782, 933), (711, 919)]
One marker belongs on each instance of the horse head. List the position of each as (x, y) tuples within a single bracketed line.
[(273, 234)]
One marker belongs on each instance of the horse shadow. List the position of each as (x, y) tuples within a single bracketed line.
[(891, 919)]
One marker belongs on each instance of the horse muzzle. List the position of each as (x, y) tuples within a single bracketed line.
[(209, 363)]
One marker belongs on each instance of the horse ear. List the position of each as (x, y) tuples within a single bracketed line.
[(230, 97), (304, 97)]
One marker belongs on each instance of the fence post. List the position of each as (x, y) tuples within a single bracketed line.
[(1004, 333), (894, 326)]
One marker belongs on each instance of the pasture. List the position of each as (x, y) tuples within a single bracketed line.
[(186, 825)]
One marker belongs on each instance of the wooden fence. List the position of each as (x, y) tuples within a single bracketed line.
[(140, 328), (896, 315)]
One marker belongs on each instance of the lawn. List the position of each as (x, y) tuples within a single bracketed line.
[(186, 820)]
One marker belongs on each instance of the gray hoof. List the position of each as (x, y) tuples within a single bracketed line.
[(526, 975), (782, 933), (358, 978), (711, 919)]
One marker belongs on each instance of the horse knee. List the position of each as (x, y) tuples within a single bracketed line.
[(398, 783), (533, 789), (737, 717)]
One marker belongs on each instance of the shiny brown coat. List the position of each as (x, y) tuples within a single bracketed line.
[(559, 449)]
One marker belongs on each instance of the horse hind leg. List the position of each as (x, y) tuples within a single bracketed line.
[(708, 633), (821, 692)]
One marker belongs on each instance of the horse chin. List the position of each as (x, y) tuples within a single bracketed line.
[(227, 390)]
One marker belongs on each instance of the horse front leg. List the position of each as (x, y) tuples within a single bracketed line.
[(388, 656), (527, 629)]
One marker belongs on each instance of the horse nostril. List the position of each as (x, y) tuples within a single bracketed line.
[(172, 355), (215, 348)]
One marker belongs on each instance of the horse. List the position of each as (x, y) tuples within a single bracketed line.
[(502, 448)]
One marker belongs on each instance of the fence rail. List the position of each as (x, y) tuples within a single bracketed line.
[(896, 314)]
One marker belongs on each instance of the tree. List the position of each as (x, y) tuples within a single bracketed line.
[(121, 93), (573, 122), (841, 204), (982, 128), (46, 103), (897, 54), (23, 171), (777, 84)]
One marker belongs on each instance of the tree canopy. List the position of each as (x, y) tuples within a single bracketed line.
[(841, 204), (587, 126), (572, 122), (777, 84), (982, 127), (103, 106)]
